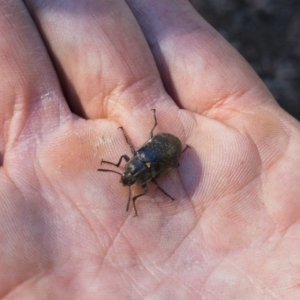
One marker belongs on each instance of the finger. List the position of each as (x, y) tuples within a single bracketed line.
[(104, 61), (199, 68), (30, 95)]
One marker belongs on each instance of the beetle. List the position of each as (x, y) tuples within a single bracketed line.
[(157, 156)]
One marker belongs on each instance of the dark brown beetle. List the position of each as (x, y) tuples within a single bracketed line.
[(157, 156)]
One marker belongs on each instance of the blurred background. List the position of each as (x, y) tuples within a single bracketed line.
[(267, 34)]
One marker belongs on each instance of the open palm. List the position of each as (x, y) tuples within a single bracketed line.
[(68, 81)]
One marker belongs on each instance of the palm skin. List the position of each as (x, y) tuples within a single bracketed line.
[(231, 233)]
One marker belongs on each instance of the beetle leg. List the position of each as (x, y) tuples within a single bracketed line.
[(129, 196), (187, 146), (155, 123), (145, 188), (154, 181), (118, 163), (131, 147)]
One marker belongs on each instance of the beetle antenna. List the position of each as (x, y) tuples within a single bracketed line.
[(105, 170)]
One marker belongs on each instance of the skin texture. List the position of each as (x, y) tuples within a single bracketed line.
[(71, 73)]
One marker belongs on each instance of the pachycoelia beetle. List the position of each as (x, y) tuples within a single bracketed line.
[(156, 157)]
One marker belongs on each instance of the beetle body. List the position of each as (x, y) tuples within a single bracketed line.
[(157, 156)]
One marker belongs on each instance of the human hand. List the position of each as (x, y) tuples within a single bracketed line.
[(231, 233)]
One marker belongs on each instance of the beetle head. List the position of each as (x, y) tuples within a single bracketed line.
[(127, 179)]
